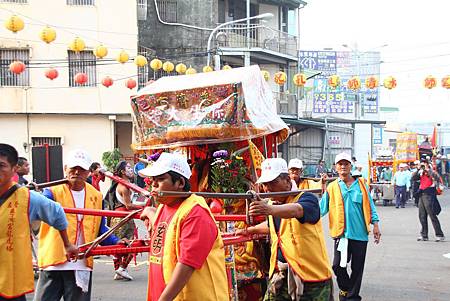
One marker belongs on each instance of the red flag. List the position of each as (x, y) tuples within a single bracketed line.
[(434, 138)]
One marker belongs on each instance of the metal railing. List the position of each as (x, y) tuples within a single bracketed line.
[(287, 104), (81, 2), (15, 1), (85, 62), (9, 79), (235, 36), (142, 10)]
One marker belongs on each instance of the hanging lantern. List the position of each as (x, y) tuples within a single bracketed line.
[(140, 61), (48, 34), (180, 68), (156, 64), (123, 57), (207, 69), (390, 83), (266, 75), (130, 83), (371, 82), (80, 78), (299, 79), (280, 78), (77, 45), (191, 70), (107, 82), (226, 67), (17, 67), (51, 74), (216, 206), (14, 24), (430, 82), (334, 81), (446, 82), (354, 83), (100, 51), (168, 67)]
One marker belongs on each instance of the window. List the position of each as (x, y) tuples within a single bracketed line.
[(9, 79), (142, 10), (84, 62), (167, 10), (39, 141), (14, 1), (80, 2)]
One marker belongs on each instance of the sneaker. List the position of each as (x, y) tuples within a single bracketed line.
[(118, 277), (343, 295), (124, 273), (440, 238), (420, 238)]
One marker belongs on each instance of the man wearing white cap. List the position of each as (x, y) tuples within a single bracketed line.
[(59, 277), (298, 249), (351, 211), (401, 182), (187, 260), (295, 168)]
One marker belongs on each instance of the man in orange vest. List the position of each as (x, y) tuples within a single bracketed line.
[(299, 264), (58, 277), (295, 168), (19, 207), (351, 211), (187, 260)]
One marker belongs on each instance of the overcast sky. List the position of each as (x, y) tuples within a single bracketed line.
[(418, 38)]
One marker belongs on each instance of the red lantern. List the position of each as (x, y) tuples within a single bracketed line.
[(80, 78), (17, 67), (299, 79), (446, 82), (107, 82), (130, 83), (216, 206), (429, 82), (51, 73)]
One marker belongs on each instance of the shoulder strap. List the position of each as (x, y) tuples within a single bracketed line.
[(8, 193)]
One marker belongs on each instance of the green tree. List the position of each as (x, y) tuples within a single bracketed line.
[(111, 158)]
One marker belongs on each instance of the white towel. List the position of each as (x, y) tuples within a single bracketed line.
[(343, 247), (82, 280)]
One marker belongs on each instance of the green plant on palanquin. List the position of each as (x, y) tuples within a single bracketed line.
[(228, 175), (111, 158)]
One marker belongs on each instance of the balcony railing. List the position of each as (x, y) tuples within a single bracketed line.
[(235, 36), (287, 104)]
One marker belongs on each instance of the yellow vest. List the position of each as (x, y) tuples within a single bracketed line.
[(336, 208), (303, 247), (16, 268), (310, 184), (209, 283), (51, 247)]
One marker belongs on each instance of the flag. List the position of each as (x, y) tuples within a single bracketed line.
[(256, 155), (434, 138)]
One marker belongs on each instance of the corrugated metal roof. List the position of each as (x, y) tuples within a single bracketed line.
[(290, 3)]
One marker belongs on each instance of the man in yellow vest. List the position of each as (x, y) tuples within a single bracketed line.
[(187, 260), (351, 211), (295, 168), (58, 277), (19, 207), (299, 264)]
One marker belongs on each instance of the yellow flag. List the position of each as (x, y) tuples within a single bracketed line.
[(256, 155)]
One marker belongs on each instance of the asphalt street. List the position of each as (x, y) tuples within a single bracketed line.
[(399, 268)]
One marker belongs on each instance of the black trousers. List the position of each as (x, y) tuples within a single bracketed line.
[(53, 285), (356, 254), (22, 298), (425, 211)]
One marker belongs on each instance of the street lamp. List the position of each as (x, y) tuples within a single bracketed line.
[(266, 16), (358, 104)]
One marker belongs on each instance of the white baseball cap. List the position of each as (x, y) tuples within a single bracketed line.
[(295, 163), (271, 168), (79, 157), (165, 163), (343, 156), (403, 165)]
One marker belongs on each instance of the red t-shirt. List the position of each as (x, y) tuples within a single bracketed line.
[(425, 182), (197, 237)]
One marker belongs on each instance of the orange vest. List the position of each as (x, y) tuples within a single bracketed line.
[(16, 268), (310, 184), (336, 208), (209, 283), (51, 247), (303, 247)]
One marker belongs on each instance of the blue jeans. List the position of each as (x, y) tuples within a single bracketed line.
[(400, 196)]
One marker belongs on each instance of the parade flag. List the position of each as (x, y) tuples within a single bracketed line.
[(434, 138), (406, 150), (256, 155)]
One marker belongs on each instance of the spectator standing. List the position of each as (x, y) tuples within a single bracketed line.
[(23, 169), (401, 182)]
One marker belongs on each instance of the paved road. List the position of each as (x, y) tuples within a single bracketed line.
[(400, 268)]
